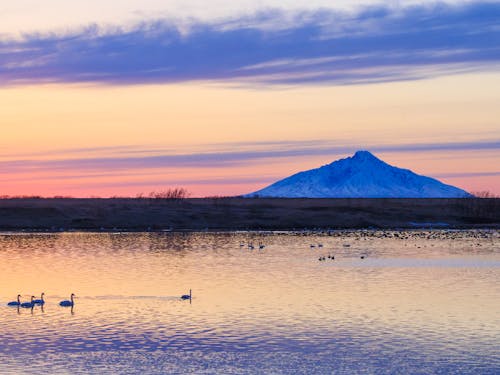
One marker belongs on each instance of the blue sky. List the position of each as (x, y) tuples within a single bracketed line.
[(375, 43)]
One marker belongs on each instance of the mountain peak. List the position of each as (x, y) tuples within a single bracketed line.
[(362, 175), (364, 156)]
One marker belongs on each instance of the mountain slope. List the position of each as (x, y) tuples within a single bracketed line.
[(361, 176)]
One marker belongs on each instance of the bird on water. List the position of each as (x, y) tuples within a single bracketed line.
[(187, 296), (67, 303), (28, 305), (40, 301), (15, 303)]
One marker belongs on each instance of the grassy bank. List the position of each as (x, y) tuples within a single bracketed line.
[(243, 214)]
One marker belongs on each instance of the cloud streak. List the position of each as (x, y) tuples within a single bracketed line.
[(467, 174), (221, 159), (374, 44)]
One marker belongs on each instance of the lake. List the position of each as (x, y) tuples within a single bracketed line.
[(420, 302)]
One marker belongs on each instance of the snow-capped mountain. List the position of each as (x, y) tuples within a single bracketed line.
[(360, 176)]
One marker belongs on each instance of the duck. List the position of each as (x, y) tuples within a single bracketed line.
[(67, 303), (40, 301), (15, 303), (261, 245), (28, 305), (187, 296)]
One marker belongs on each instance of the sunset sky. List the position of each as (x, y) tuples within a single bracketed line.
[(104, 98)]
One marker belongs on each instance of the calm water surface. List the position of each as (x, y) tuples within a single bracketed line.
[(421, 302)]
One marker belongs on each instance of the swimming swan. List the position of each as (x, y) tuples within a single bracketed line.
[(15, 303), (67, 303), (28, 305), (187, 296), (40, 301)]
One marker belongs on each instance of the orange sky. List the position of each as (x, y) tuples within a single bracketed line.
[(65, 122)]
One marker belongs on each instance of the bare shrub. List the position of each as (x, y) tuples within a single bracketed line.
[(484, 194), (22, 197), (172, 194)]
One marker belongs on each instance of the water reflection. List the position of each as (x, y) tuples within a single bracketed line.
[(420, 301)]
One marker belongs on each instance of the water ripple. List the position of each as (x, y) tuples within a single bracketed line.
[(419, 302)]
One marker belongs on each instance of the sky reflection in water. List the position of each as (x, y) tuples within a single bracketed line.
[(423, 302)]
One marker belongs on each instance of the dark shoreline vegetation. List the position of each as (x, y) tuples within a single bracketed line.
[(227, 214)]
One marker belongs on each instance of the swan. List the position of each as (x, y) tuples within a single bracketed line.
[(40, 301), (28, 305), (187, 296), (15, 303), (67, 303)]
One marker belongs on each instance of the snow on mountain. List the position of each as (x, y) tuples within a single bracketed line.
[(360, 176)]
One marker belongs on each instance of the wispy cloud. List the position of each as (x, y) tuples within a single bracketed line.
[(253, 154), (467, 174), (375, 44)]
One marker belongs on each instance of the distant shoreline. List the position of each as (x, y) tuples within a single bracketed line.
[(240, 214)]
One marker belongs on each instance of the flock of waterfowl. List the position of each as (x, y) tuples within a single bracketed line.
[(65, 303), (251, 246), (330, 256), (40, 302), (319, 245)]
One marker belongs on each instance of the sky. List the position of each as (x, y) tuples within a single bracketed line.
[(101, 98)]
